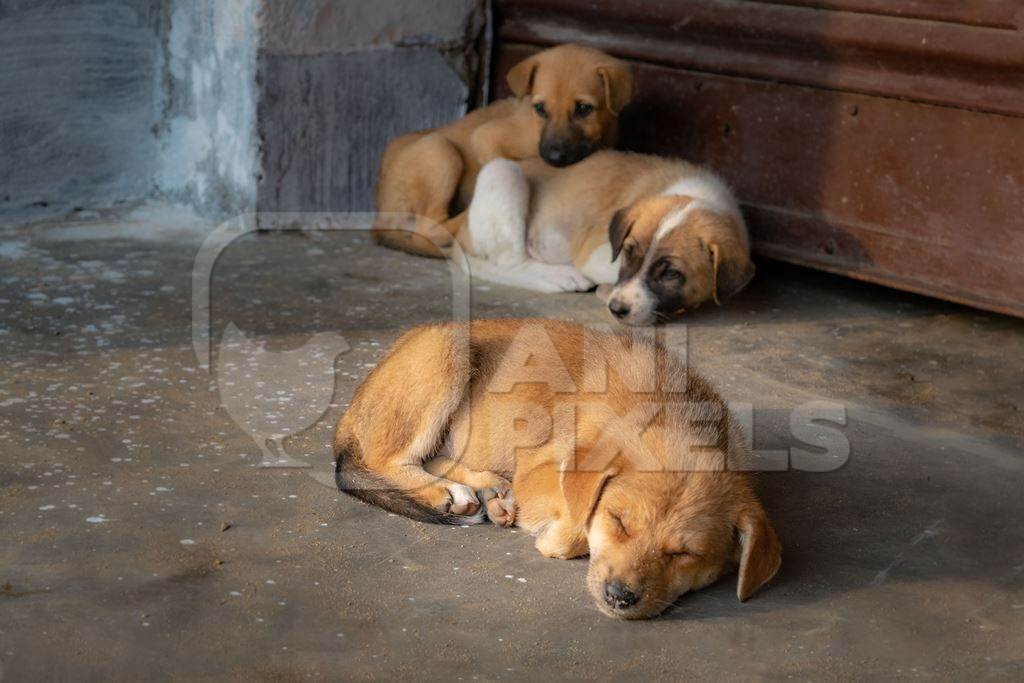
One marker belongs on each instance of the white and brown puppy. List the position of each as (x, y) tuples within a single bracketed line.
[(667, 234), (611, 447)]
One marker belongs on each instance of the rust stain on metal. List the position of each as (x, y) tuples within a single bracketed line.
[(854, 150)]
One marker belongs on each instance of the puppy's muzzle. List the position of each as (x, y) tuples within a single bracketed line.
[(619, 596), (619, 308), (563, 152)]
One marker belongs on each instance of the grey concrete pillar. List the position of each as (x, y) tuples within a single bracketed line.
[(338, 79)]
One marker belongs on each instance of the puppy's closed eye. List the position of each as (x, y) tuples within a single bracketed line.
[(665, 271), (671, 275), (617, 521)]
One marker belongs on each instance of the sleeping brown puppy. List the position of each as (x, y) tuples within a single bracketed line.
[(566, 105), (595, 443)]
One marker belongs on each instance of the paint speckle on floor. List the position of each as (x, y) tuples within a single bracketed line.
[(108, 415)]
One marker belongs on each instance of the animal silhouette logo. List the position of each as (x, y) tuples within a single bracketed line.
[(269, 394), (274, 394)]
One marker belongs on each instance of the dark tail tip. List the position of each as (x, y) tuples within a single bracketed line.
[(353, 479)]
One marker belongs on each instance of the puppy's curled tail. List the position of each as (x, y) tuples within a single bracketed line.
[(354, 479)]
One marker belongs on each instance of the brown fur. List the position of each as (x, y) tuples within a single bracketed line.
[(617, 199), (427, 177), (657, 496)]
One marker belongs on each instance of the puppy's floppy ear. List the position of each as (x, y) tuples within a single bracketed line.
[(618, 230), (760, 553), (582, 491), (731, 269), (520, 77), (618, 85)]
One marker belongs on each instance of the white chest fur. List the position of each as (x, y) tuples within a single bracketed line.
[(600, 268), (550, 244)]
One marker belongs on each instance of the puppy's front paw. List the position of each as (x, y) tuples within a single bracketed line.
[(549, 547), (558, 542), (549, 277), (568, 279), (501, 505), (461, 501)]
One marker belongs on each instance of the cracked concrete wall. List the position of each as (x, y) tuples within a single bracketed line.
[(317, 26), (107, 102), (340, 79), (77, 104), (208, 154), (223, 106)]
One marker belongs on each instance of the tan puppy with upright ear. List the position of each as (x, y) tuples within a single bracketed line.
[(573, 118), (596, 443), (566, 105)]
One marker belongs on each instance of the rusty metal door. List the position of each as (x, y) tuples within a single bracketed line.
[(880, 139)]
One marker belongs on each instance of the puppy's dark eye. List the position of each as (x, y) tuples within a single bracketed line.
[(541, 111), (583, 110), (679, 554), (664, 271)]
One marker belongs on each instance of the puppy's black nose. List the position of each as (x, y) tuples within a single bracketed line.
[(619, 308), (618, 596), (557, 157)]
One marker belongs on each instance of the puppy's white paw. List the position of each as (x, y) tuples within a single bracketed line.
[(560, 278), (463, 501), (577, 281)]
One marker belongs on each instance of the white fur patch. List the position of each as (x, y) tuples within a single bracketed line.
[(709, 189), (461, 495), (498, 212), (708, 192), (674, 219), (497, 229), (529, 274), (548, 245), (599, 266)]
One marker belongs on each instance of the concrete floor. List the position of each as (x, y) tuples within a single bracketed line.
[(121, 472)]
